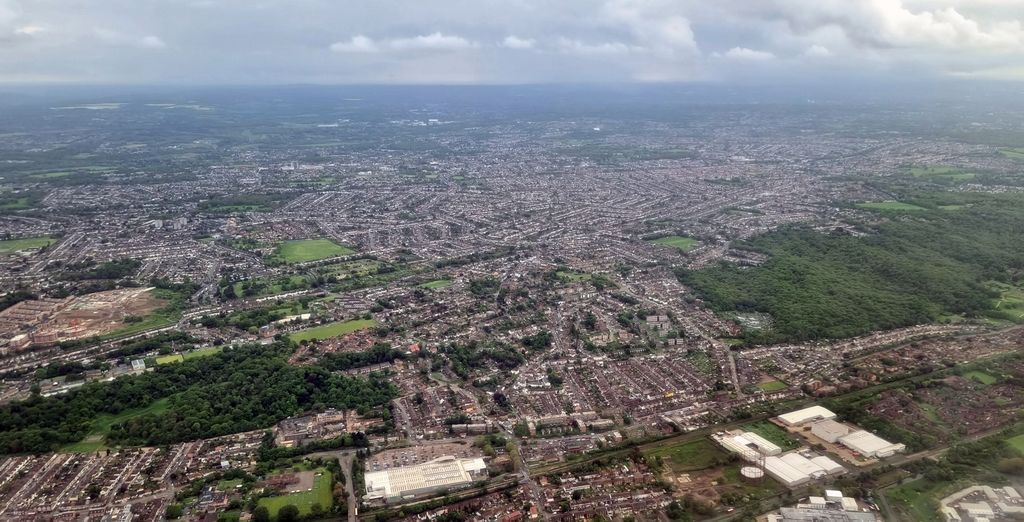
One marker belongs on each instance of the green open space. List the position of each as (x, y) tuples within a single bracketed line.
[(101, 425), (1017, 443), (572, 276), (681, 243), (773, 434), (305, 250), (772, 386), (981, 377), (270, 286), (193, 354), (942, 173), (897, 206), (436, 284), (689, 456), (334, 329), (13, 245), (1015, 153), (229, 485), (304, 500), (1009, 304)]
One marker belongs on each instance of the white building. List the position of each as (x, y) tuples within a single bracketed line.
[(407, 482), (799, 417), (784, 473), (830, 466), (829, 430), (870, 445), (803, 465)]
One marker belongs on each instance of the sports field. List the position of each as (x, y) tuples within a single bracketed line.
[(13, 245), (890, 205), (194, 354), (436, 284), (303, 250), (332, 330), (689, 456), (320, 493), (772, 386), (572, 276), (681, 243)]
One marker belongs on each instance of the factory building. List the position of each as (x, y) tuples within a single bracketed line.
[(779, 470), (800, 417), (435, 476), (870, 445), (829, 430)]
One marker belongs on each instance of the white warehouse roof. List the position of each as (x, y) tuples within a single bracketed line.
[(764, 445), (803, 464), (783, 472), (830, 466), (869, 444), (797, 417), (440, 473)]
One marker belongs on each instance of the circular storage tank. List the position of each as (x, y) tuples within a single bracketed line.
[(751, 473)]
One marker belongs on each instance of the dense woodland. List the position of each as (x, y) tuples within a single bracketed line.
[(241, 389), (909, 268)]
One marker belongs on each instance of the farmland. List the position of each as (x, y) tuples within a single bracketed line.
[(305, 250), (334, 329), (942, 173)]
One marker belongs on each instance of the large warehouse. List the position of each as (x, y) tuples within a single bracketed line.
[(798, 417), (870, 445), (829, 430), (440, 474)]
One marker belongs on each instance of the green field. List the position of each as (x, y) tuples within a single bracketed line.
[(1016, 154), (772, 386), (100, 427), (436, 284), (332, 330), (689, 456), (13, 245), (773, 434), (916, 500), (304, 500), (680, 243), (942, 173), (194, 354), (304, 250), (890, 206), (572, 276), (981, 377), (1010, 303), (1017, 443)]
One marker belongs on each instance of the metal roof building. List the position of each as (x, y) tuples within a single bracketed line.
[(870, 445), (440, 474), (798, 417)]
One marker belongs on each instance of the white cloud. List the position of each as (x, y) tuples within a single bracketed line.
[(817, 51), (357, 44), (152, 42), (514, 42), (436, 41), (28, 30), (571, 46), (743, 53)]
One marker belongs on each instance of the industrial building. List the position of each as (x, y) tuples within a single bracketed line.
[(794, 469), (784, 473), (800, 417), (435, 476), (748, 445), (829, 430), (870, 445), (833, 507)]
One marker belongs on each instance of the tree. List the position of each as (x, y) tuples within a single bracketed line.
[(173, 511), (316, 510), (261, 514), (288, 513)]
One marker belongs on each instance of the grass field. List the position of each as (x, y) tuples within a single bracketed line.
[(773, 434), (680, 243), (1010, 301), (689, 456), (332, 330), (981, 377), (13, 245), (1017, 443), (772, 386), (304, 500), (1016, 154), (100, 427), (436, 284), (942, 173), (303, 250), (916, 500), (572, 277), (890, 205), (194, 354)]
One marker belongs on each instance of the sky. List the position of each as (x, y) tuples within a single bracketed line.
[(506, 41)]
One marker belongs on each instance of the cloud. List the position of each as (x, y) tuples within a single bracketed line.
[(743, 53), (436, 41), (152, 42), (817, 51), (28, 30), (357, 44), (577, 47), (514, 42)]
